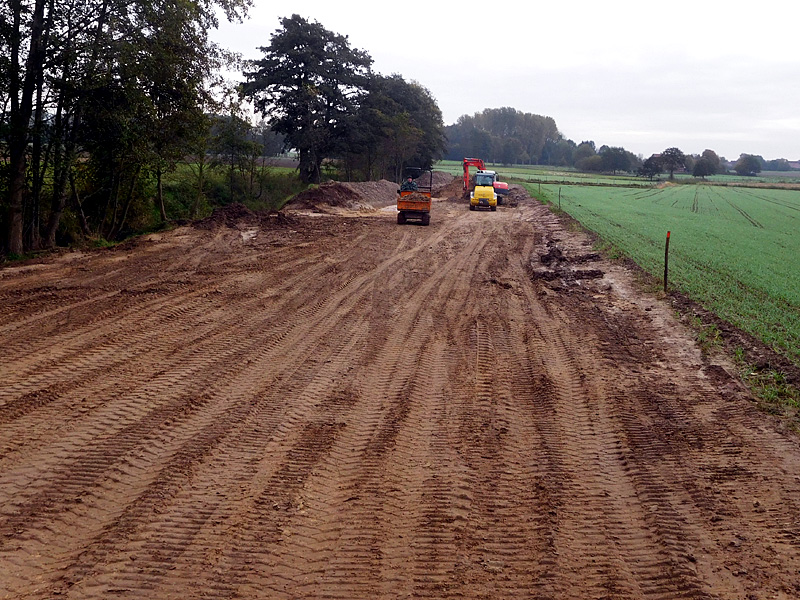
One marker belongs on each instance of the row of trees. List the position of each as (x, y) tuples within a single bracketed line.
[(105, 93), (321, 94), (505, 135), (101, 100), (502, 135), (704, 165)]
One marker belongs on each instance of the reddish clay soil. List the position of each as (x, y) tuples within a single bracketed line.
[(316, 405)]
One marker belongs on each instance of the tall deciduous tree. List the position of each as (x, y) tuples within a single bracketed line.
[(672, 159), (651, 167), (703, 167), (306, 85), (615, 159), (398, 124), (748, 164), (713, 160)]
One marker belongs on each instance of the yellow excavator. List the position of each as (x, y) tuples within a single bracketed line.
[(481, 187), (483, 194)]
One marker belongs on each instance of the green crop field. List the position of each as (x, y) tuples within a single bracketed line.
[(544, 174), (735, 250)]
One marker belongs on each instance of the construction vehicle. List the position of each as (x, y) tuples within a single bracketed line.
[(483, 194), (501, 189), (415, 203), (482, 189), (471, 162)]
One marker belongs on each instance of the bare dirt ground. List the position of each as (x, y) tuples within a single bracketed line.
[(315, 405)]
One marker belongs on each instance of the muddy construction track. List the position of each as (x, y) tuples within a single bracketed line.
[(336, 406)]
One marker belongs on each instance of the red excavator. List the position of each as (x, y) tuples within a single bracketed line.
[(471, 162)]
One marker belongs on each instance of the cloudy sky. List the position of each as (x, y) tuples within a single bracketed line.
[(643, 75)]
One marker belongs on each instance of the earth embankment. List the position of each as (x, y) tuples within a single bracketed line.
[(312, 405)]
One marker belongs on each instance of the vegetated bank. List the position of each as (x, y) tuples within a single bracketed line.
[(732, 249)]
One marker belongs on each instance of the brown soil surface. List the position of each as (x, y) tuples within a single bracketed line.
[(296, 406)]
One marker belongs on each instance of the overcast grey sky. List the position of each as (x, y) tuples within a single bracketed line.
[(643, 75)]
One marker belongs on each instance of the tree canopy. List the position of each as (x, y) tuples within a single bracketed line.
[(122, 83), (651, 167), (671, 160), (397, 124), (306, 85), (487, 134), (748, 165)]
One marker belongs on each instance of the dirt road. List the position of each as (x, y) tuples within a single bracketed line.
[(340, 407)]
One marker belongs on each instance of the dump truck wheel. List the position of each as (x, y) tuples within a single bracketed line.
[(426, 219), (471, 207), (401, 218), (494, 208)]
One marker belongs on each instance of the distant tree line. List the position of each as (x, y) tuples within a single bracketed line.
[(502, 135), (507, 136), (706, 164)]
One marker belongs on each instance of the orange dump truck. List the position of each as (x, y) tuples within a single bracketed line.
[(414, 202)]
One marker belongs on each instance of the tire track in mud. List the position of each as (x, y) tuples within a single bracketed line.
[(676, 456), (614, 516), (376, 417), (202, 441), (140, 563), (301, 322), (420, 419), (165, 313), (148, 352)]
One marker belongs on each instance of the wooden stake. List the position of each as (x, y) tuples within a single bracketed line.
[(666, 263)]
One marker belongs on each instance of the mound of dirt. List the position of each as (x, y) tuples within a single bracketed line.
[(516, 193), (237, 215), (331, 194), (227, 216), (362, 196), (376, 193), (441, 180)]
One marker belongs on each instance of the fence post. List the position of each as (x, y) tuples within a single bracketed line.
[(666, 263)]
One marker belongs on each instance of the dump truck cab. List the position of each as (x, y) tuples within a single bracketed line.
[(483, 194)]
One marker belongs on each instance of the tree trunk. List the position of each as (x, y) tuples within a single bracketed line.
[(200, 180), (81, 215), (21, 90), (159, 193), (128, 201), (306, 167)]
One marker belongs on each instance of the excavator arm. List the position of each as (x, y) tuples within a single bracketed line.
[(471, 162)]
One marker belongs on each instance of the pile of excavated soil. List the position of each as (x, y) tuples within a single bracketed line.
[(362, 196), (236, 215), (367, 196), (516, 193), (440, 181), (376, 193), (415, 197)]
